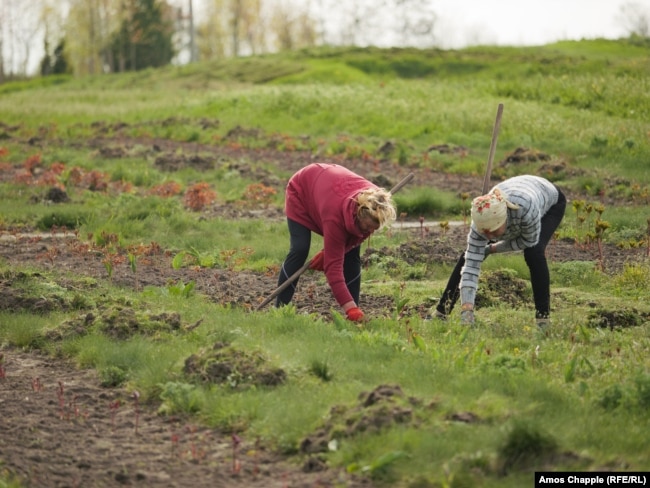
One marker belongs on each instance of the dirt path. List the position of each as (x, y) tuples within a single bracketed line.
[(59, 428)]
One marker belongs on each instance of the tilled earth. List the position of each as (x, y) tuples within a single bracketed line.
[(60, 428)]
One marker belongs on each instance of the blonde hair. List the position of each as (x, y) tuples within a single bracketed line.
[(377, 204)]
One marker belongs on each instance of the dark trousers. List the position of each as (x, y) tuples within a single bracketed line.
[(535, 258), (300, 241)]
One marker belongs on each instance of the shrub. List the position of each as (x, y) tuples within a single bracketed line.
[(198, 196), (525, 446)]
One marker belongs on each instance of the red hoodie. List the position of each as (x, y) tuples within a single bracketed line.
[(322, 198)]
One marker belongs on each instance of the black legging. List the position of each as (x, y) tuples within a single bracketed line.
[(535, 259), (300, 241)]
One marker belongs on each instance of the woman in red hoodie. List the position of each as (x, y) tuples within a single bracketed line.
[(345, 209)]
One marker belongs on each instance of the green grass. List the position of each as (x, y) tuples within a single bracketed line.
[(499, 371), (583, 103)]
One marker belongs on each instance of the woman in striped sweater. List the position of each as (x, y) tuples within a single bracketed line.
[(518, 214)]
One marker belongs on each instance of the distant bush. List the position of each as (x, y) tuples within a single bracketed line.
[(62, 219)]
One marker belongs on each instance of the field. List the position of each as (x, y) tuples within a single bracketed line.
[(140, 233)]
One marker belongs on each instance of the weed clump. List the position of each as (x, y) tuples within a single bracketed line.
[(524, 447), (226, 365), (119, 323), (383, 407), (612, 319)]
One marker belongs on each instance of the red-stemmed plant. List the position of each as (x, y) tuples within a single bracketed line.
[(236, 464), (113, 406), (136, 401)]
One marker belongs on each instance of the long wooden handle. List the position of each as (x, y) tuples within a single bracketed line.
[(493, 146), (305, 266)]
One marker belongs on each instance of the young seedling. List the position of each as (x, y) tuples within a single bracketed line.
[(74, 407), (236, 464), (133, 262), (36, 384), (3, 373), (647, 239), (136, 398), (113, 406), (256, 468), (61, 396), (400, 302), (111, 259), (417, 340), (50, 255), (578, 205), (601, 227), (175, 438)]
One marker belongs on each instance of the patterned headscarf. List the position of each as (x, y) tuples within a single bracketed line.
[(490, 211)]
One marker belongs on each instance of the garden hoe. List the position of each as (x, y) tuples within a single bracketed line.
[(305, 266), (493, 146)]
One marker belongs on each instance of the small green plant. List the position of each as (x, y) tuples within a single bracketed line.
[(112, 376), (179, 398), (133, 263), (380, 467), (578, 365), (647, 238), (136, 409), (612, 397), (181, 289), (321, 370), (600, 227), (525, 446), (643, 392), (400, 301)]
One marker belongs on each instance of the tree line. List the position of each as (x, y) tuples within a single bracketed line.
[(110, 36)]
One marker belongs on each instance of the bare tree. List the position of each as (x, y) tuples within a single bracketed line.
[(377, 22), (360, 22), (193, 54), (292, 28), (2, 42), (212, 33), (635, 18), (253, 27), (232, 28), (88, 27), (414, 22), (19, 26)]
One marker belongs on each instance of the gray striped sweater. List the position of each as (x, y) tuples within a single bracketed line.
[(535, 196)]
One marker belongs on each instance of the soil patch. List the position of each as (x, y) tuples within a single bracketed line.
[(60, 428)]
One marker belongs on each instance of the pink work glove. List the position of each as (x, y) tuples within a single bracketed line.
[(355, 314), (317, 261)]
